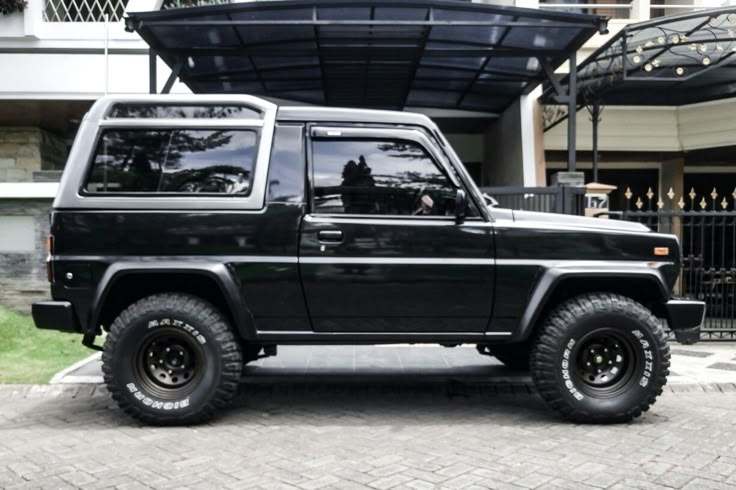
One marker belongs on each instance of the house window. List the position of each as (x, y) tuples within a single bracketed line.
[(18, 234)]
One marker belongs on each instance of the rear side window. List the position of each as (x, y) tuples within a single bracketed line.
[(186, 161)]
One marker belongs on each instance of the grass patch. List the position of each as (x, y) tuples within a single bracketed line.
[(30, 355)]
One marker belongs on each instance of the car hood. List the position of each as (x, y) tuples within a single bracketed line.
[(573, 221)]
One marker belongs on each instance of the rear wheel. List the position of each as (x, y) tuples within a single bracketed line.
[(171, 359), (600, 358)]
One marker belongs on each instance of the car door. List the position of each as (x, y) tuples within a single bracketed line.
[(380, 248)]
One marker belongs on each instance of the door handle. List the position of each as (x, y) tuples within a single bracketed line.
[(330, 236)]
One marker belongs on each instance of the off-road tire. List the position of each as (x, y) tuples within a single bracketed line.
[(514, 356), (556, 363), (194, 322)]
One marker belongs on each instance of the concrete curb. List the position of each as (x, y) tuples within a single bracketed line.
[(64, 377)]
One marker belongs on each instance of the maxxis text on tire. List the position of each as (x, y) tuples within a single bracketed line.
[(600, 357), (171, 359)]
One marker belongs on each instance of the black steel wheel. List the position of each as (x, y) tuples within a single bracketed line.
[(604, 362), (600, 357), (171, 359), (170, 362)]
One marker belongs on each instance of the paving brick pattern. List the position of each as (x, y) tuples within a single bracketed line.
[(366, 434)]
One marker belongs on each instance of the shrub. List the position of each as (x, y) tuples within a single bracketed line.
[(12, 6)]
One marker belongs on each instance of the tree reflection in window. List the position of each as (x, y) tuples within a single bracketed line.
[(174, 161), (379, 177), (180, 111)]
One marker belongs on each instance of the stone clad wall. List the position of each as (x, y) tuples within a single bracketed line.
[(24, 150), (23, 274), (27, 154)]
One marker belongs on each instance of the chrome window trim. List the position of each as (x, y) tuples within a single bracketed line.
[(94, 122)]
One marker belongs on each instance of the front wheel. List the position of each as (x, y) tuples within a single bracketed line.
[(600, 357), (171, 359)]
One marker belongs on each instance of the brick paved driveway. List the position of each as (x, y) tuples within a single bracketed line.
[(365, 433)]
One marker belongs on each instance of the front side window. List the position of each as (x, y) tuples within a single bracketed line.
[(187, 161), (379, 177)]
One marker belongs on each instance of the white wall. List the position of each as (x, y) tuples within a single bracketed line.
[(77, 76), (65, 60), (707, 125), (626, 128)]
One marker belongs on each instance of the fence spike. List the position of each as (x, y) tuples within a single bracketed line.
[(693, 193), (660, 203), (671, 193), (681, 203), (703, 204), (714, 194), (724, 203), (734, 193), (628, 193), (650, 194), (639, 203)]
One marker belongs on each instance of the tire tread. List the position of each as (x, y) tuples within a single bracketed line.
[(554, 331), (206, 314)]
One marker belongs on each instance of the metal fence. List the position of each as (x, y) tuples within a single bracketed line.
[(707, 233), (707, 239), (557, 199)]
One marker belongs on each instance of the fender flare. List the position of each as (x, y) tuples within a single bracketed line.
[(552, 278), (241, 314)]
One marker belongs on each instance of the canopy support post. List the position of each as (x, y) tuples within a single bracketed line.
[(173, 76), (572, 91), (595, 117), (151, 71)]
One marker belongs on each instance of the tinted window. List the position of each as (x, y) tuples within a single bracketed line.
[(379, 177), (148, 111), (286, 170), (173, 161)]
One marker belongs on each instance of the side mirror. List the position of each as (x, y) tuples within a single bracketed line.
[(461, 205), (490, 200)]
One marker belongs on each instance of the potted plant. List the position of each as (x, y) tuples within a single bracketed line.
[(11, 18)]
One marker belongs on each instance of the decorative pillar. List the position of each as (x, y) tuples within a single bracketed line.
[(640, 10)]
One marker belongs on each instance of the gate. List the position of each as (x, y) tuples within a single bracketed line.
[(707, 232)]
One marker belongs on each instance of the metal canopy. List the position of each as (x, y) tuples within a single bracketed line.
[(669, 61), (446, 54), (674, 60)]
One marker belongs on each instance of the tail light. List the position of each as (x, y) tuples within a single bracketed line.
[(49, 262)]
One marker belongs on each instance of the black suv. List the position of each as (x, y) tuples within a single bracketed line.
[(199, 232)]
